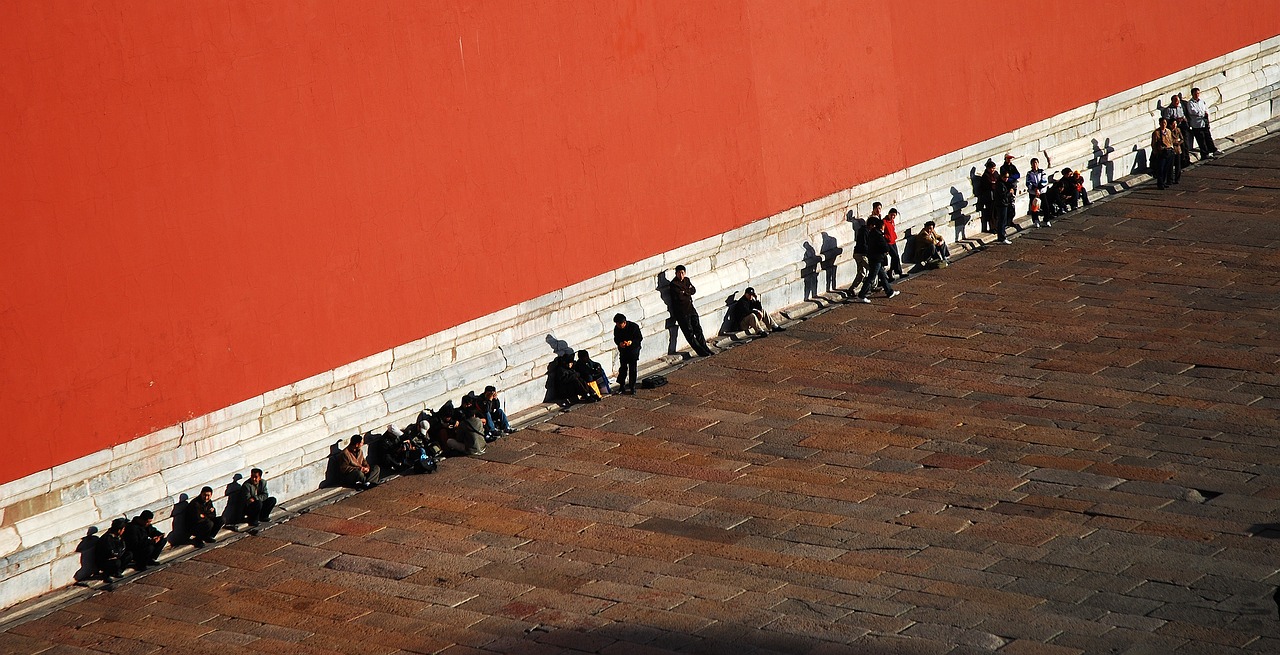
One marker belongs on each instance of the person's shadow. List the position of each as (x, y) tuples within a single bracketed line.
[(88, 562), (726, 325), (234, 512), (831, 252), (959, 217), (1102, 165), (559, 346), (858, 225), (1139, 161), (673, 327), (178, 535), (810, 271)]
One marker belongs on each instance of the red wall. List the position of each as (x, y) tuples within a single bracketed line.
[(204, 201)]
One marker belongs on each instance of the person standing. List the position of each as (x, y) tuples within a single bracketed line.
[(1161, 154), (1037, 183), (989, 196), (877, 255), (255, 499), (891, 235), (627, 336), (1198, 120), (1176, 115), (686, 314), (1004, 202)]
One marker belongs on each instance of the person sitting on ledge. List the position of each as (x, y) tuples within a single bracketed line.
[(496, 418), (466, 434), (255, 499), (567, 385), (749, 315), (203, 521), (930, 248), (356, 472), (110, 556), (143, 541), (592, 373)]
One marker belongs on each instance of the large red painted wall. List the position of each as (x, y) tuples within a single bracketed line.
[(205, 201)]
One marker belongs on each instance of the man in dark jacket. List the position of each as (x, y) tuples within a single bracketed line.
[(110, 555), (143, 541), (749, 315), (255, 499), (877, 254), (203, 521), (495, 418), (627, 336), (686, 314)]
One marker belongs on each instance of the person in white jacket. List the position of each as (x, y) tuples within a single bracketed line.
[(1198, 118)]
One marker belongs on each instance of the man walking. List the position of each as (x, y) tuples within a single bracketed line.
[(686, 314), (877, 255), (627, 336)]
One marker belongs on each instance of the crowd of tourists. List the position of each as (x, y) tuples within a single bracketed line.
[(477, 420)]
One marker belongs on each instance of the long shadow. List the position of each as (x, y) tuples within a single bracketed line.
[(959, 217), (178, 534), (809, 272), (858, 224), (831, 252), (88, 567)]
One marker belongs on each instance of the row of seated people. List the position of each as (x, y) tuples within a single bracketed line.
[(452, 430), (136, 543)]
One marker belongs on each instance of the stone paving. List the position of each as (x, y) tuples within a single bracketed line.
[(1066, 445)]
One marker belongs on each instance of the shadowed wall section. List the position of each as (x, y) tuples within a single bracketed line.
[(202, 202)]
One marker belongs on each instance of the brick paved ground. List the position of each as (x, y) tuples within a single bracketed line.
[(1066, 445)]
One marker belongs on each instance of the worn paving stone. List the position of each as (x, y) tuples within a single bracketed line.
[(1061, 446)]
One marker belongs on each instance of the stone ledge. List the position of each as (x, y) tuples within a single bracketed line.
[(293, 426)]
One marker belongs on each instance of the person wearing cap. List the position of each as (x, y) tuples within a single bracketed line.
[(355, 469), (203, 521), (143, 541), (627, 336), (255, 499), (749, 315), (1010, 169), (110, 556), (686, 314), (989, 196)]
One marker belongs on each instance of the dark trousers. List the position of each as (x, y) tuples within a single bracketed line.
[(1163, 169), (1004, 218), (258, 510), (149, 554), (877, 272), (358, 478), (691, 327), (627, 373), (895, 260), (205, 530), (1185, 158), (1204, 141)]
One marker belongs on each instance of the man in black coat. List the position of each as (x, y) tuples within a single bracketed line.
[(203, 521), (110, 555), (143, 541), (627, 336), (686, 314), (877, 254)]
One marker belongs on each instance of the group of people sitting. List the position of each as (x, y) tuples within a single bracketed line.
[(465, 429), (136, 543)]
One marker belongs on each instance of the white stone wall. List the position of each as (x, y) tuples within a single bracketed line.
[(288, 431)]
